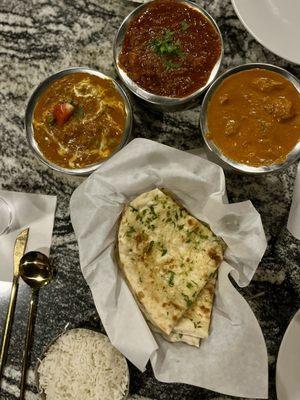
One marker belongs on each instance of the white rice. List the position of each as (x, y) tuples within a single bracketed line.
[(83, 365)]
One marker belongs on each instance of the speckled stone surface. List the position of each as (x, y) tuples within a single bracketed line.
[(40, 37)]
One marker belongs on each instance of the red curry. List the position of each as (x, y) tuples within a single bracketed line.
[(170, 49)]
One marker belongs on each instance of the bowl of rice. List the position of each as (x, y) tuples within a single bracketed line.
[(82, 364)]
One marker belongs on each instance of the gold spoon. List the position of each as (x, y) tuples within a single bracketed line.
[(36, 271)]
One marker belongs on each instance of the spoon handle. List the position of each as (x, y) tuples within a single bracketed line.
[(28, 341)]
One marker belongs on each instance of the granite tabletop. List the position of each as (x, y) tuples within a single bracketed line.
[(40, 37)]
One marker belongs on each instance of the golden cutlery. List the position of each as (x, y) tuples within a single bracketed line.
[(36, 271), (19, 249)]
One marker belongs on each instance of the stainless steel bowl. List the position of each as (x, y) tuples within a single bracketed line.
[(30, 110), (41, 392), (215, 154), (163, 103)]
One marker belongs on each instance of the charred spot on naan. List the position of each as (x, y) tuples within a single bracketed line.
[(214, 256)]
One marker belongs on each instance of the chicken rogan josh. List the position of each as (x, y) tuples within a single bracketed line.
[(170, 49), (79, 120), (253, 117)]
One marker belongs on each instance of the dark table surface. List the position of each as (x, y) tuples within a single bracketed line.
[(40, 37)]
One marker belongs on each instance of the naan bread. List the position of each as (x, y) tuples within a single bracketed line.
[(196, 320), (177, 337), (167, 256)]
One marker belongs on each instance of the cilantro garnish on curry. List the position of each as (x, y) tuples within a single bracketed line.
[(170, 49), (165, 45), (79, 120)]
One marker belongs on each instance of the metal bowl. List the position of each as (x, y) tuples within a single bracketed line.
[(215, 154), (30, 110), (41, 392), (163, 103)]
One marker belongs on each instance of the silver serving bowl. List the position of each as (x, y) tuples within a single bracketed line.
[(30, 110), (163, 103), (215, 154), (41, 392)]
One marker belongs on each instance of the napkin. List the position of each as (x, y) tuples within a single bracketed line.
[(294, 216), (35, 211), (233, 359)]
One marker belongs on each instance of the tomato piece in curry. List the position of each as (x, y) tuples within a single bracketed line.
[(253, 117), (79, 120), (170, 49)]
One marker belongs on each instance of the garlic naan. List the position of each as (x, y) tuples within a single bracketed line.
[(179, 337), (167, 256), (196, 320)]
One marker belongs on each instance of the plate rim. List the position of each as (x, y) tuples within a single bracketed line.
[(255, 36), (289, 327)]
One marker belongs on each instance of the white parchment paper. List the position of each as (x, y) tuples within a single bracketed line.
[(35, 211), (233, 360)]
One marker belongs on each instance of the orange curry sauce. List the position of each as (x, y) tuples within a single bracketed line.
[(79, 120), (254, 117), (170, 49)]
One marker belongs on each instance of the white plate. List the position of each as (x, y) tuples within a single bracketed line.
[(288, 363), (274, 23)]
